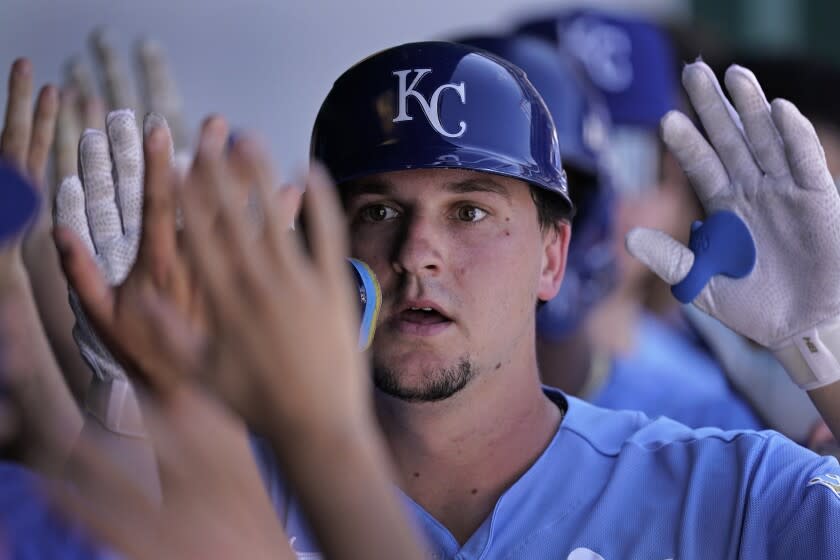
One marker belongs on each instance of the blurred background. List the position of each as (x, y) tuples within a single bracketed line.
[(267, 64)]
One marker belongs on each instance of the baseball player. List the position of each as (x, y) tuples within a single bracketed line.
[(448, 165)]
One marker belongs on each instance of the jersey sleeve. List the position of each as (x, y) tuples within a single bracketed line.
[(793, 508)]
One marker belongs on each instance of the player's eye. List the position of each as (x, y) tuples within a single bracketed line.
[(468, 213), (377, 213)]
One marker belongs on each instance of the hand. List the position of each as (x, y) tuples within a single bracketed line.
[(281, 344), (82, 108), (766, 165), (99, 254), (214, 500), (255, 329), (31, 376), (24, 143)]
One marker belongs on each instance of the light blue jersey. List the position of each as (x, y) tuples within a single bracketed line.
[(616, 485), (667, 376)]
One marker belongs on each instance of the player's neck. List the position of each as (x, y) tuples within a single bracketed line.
[(456, 457)]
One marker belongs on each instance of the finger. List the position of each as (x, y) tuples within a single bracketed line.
[(119, 93), (199, 198), (696, 157), (239, 164), (69, 210), (805, 155), (158, 241), (210, 154), (43, 131), (100, 196), (89, 108), (667, 258), (159, 88), (755, 115), (127, 154), (17, 128), (77, 76), (93, 113), (250, 166), (325, 224), (286, 202), (720, 121), (84, 276), (68, 129), (238, 208), (203, 186), (153, 121), (202, 249)]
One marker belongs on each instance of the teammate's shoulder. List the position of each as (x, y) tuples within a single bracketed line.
[(611, 431)]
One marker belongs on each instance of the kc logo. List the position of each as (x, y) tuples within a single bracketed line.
[(603, 49), (430, 107)]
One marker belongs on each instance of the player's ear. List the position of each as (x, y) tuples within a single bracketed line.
[(555, 251)]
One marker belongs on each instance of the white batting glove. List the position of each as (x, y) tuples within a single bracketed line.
[(766, 165), (103, 206)]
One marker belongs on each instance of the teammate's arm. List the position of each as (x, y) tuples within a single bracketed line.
[(764, 163)]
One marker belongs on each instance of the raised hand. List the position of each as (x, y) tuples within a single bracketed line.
[(108, 263), (274, 307), (31, 376), (84, 107), (763, 162), (25, 142), (81, 108)]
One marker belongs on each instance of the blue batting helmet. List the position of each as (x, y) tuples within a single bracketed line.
[(438, 105), (632, 62)]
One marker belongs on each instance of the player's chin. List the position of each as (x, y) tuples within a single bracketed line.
[(421, 386)]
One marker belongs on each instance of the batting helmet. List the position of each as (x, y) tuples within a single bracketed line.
[(439, 105), (582, 122), (632, 62)]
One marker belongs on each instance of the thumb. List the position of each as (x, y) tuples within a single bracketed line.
[(667, 258), (83, 276)]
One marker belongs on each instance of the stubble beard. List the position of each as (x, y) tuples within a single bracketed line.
[(437, 385)]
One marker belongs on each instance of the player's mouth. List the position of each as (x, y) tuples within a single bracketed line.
[(420, 318)]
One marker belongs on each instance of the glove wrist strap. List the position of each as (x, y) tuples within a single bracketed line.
[(114, 404), (812, 357)]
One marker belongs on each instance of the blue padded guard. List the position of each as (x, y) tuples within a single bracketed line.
[(721, 245), (18, 202), (371, 298)]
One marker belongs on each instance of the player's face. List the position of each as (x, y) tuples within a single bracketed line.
[(462, 261)]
